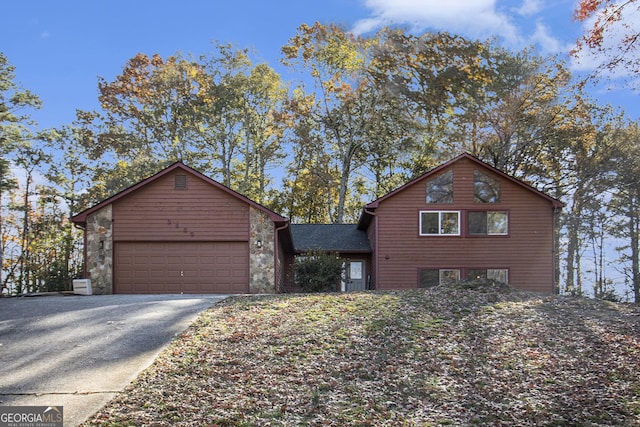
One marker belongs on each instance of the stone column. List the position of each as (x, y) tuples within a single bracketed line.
[(100, 251), (261, 253)]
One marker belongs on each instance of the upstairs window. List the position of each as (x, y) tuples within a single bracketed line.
[(488, 223), (485, 188), (439, 223), (440, 188)]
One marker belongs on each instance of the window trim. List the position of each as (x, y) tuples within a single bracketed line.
[(435, 181), (498, 188), (440, 271), (468, 228), (439, 212), (487, 269), (463, 273)]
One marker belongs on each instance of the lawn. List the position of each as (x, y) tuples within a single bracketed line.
[(450, 355)]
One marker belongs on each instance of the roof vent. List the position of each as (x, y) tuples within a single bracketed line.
[(180, 182)]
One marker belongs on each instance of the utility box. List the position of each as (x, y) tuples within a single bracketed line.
[(82, 286)]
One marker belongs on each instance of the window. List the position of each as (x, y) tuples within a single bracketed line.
[(440, 188), (488, 223), (499, 275), (439, 223), (485, 188), (448, 277), (430, 277)]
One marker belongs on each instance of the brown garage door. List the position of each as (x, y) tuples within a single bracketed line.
[(174, 267)]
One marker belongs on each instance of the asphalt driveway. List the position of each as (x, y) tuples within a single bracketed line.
[(79, 351)]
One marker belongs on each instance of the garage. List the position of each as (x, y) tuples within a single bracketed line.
[(175, 267), (180, 231)]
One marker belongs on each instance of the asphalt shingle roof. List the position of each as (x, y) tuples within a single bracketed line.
[(329, 237)]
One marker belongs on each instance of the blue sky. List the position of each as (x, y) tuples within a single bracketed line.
[(59, 48)]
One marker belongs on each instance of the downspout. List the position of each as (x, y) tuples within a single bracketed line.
[(374, 259), (276, 250)]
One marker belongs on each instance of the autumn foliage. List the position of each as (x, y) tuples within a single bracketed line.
[(450, 355), (612, 33)]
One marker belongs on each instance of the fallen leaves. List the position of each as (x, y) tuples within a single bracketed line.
[(451, 355)]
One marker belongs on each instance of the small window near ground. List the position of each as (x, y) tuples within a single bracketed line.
[(449, 277), (477, 275), (440, 188), (498, 274), (430, 277), (488, 223), (180, 182), (439, 223), (485, 188)]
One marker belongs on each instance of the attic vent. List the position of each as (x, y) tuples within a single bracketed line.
[(181, 182)]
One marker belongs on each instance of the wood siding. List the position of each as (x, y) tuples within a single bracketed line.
[(527, 251), (199, 212)]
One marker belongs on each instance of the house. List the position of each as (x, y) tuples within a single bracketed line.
[(347, 241), (180, 231), (462, 220)]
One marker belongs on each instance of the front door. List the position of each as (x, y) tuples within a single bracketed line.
[(354, 276)]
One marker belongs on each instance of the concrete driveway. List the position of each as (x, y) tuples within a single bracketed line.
[(79, 351)]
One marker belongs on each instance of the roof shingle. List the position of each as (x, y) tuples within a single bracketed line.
[(330, 237)]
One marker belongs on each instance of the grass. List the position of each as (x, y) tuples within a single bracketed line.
[(450, 355)]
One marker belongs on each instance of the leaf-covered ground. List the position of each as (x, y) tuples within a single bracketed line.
[(457, 355)]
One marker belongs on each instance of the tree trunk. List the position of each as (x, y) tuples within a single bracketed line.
[(342, 191)]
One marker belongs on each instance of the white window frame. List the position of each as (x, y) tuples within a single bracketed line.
[(440, 214)]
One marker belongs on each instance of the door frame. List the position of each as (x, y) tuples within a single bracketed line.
[(346, 276)]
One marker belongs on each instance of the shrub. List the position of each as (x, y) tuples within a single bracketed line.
[(318, 272)]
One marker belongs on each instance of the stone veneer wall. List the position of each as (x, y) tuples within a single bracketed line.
[(100, 251), (261, 260)]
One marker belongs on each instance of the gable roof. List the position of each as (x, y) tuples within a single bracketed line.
[(81, 218), (365, 217), (329, 237)]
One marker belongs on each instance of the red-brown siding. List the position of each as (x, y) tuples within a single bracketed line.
[(159, 212), (527, 252)]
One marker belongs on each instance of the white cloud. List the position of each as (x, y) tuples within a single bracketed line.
[(481, 19), (548, 44), (476, 18), (529, 7)]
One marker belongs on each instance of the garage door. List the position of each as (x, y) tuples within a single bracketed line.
[(163, 267)]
